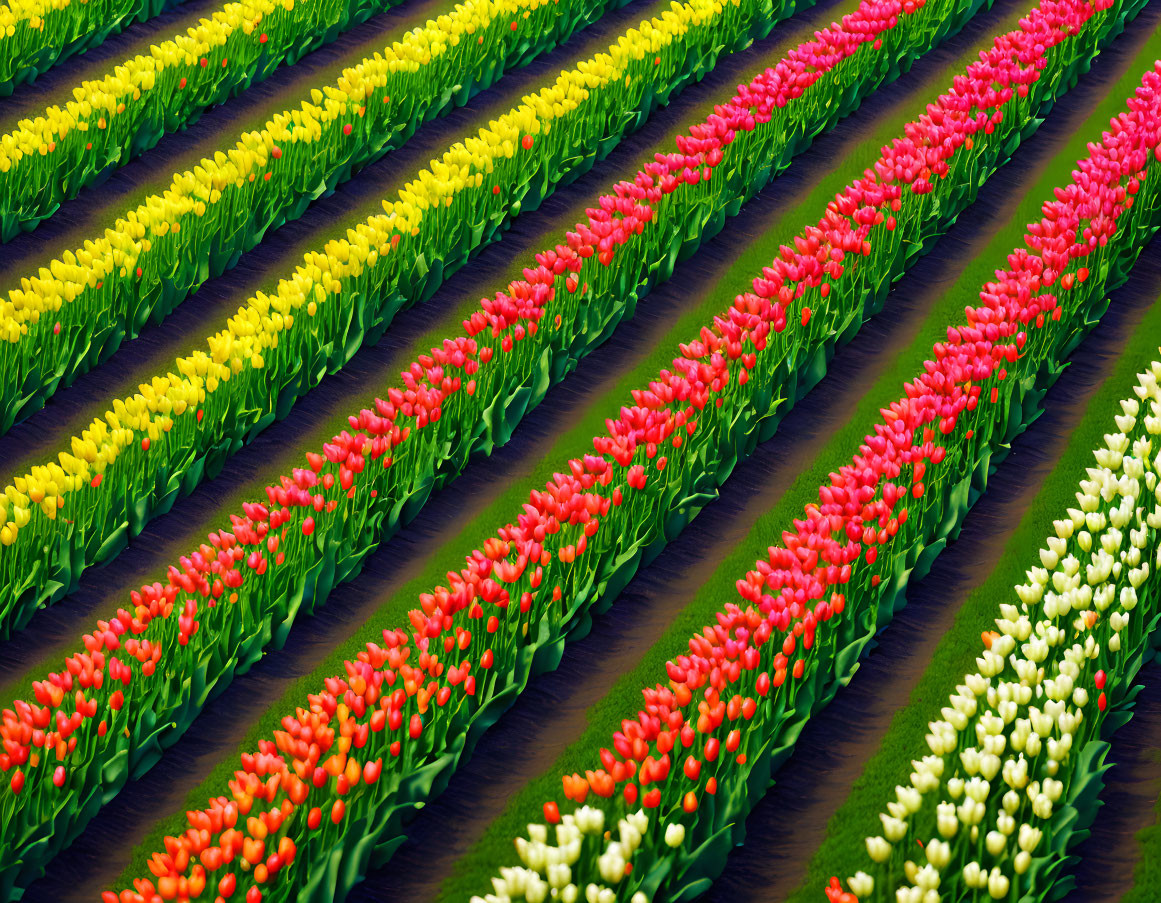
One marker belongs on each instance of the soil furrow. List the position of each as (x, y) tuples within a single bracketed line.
[(100, 854)]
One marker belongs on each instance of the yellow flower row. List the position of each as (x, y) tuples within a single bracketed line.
[(259, 325), (30, 13), (97, 101), (118, 250), (94, 100)]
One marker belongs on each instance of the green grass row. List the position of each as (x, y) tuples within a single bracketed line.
[(843, 851)]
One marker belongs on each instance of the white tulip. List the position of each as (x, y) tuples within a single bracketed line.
[(938, 853), (611, 863), (861, 884), (945, 821), (674, 834), (974, 876), (629, 836), (997, 884), (894, 828), (536, 890), (910, 798), (590, 820), (1029, 838), (559, 875), (927, 878), (878, 849)]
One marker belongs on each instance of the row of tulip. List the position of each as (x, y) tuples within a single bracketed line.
[(35, 35), (128, 109), (132, 463), (1016, 758), (76, 311), (660, 810), (125, 112), (312, 807), (465, 397)]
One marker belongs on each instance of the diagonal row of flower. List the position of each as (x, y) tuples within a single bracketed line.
[(127, 110), (352, 758), (431, 429), (130, 107), (692, 752), (37, 34), (1013, 759), (70, 314), (995, 800), (133, 461)]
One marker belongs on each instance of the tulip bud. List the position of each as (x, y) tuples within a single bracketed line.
[(878, 849), (674, 834), (861, 884), (939, 853)]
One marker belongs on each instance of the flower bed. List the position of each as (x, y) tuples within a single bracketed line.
[(404, 712), (45, 33)]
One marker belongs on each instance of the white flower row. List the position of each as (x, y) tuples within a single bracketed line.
[(1003, 753)]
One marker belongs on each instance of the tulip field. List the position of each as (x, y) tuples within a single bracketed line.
[(580, 451)]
